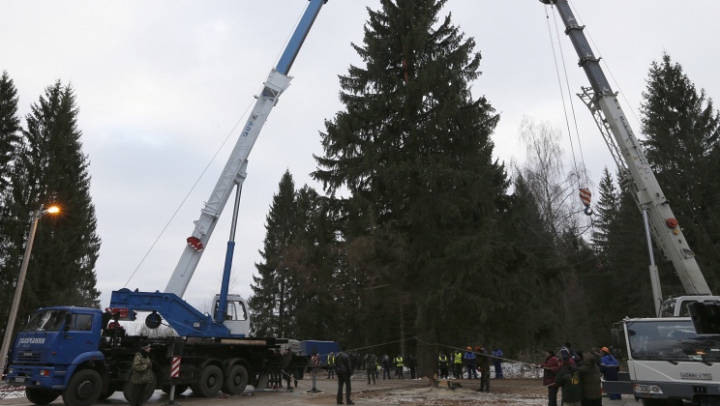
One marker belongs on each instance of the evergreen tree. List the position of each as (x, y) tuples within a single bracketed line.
[(623, 278), (683, 136), (315, 258), (413, 149), (9, 144), (531, 287), (606, 213), (269, 302), (52, 170), (294, 287), (9, 129)]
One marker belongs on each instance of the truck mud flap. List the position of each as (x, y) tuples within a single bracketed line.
[(262, 381)]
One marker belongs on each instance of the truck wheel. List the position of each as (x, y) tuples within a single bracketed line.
[(106, 394), (149, 388), (83, 389), (209, 383), (236, 381), (41, 396)]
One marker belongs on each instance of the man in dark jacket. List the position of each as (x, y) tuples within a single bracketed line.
[(371, 367), (142, 375), (591, 382), (412, 364), (386, 363), (343, 367), (569, 380), (550, 367), (484, 367)]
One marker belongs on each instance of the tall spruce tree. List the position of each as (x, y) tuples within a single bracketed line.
[(9, 145), (294, 289), (272, 288), (413, 149), (9, 129), (683, 147), (606, 212), (52, 170), (316, 260)]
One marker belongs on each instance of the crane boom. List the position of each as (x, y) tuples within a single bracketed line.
[(634, 166), (234, 173)]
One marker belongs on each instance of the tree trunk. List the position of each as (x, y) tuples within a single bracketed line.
[(427, 356)]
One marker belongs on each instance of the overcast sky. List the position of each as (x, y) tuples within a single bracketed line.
[(161, 84)]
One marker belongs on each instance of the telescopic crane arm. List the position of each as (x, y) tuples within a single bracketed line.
[(631, 160), (234, 173), (185, 319)]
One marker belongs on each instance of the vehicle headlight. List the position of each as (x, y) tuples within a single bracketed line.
[(10, 370), (647, 389)]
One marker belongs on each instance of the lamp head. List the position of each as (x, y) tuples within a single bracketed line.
[(52, 210)]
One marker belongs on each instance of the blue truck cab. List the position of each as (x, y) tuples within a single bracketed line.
[(58, 353)]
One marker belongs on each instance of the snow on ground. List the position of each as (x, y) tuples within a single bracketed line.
[(443, 397)]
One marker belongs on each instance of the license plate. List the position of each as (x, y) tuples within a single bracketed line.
[(19, 379), (695, 375)]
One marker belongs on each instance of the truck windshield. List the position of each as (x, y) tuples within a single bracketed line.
[(671, 340), (50, 320)]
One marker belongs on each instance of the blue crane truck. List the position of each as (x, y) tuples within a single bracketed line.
[(69, 351), (84, 354)]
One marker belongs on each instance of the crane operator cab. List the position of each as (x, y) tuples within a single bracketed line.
[(679, 306), (236, 315)]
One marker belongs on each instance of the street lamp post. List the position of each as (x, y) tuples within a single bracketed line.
[(35, 216)]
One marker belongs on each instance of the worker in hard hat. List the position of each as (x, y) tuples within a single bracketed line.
[(609, 367), (457, 364), (470, 363)]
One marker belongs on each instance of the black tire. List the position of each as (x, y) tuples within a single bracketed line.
[(209, 383), (40, 396), (149, 388), (106, 394), (83, 389), (236, 381)]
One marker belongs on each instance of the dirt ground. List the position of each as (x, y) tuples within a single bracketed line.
[(503, 392), (506, 392)]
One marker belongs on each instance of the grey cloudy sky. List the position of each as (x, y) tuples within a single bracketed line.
[(160, 84)]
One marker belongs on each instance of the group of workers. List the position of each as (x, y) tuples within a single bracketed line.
[(476, 362), (579, 375)]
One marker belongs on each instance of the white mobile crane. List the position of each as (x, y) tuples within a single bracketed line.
[(668, 360), (632, 164)]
